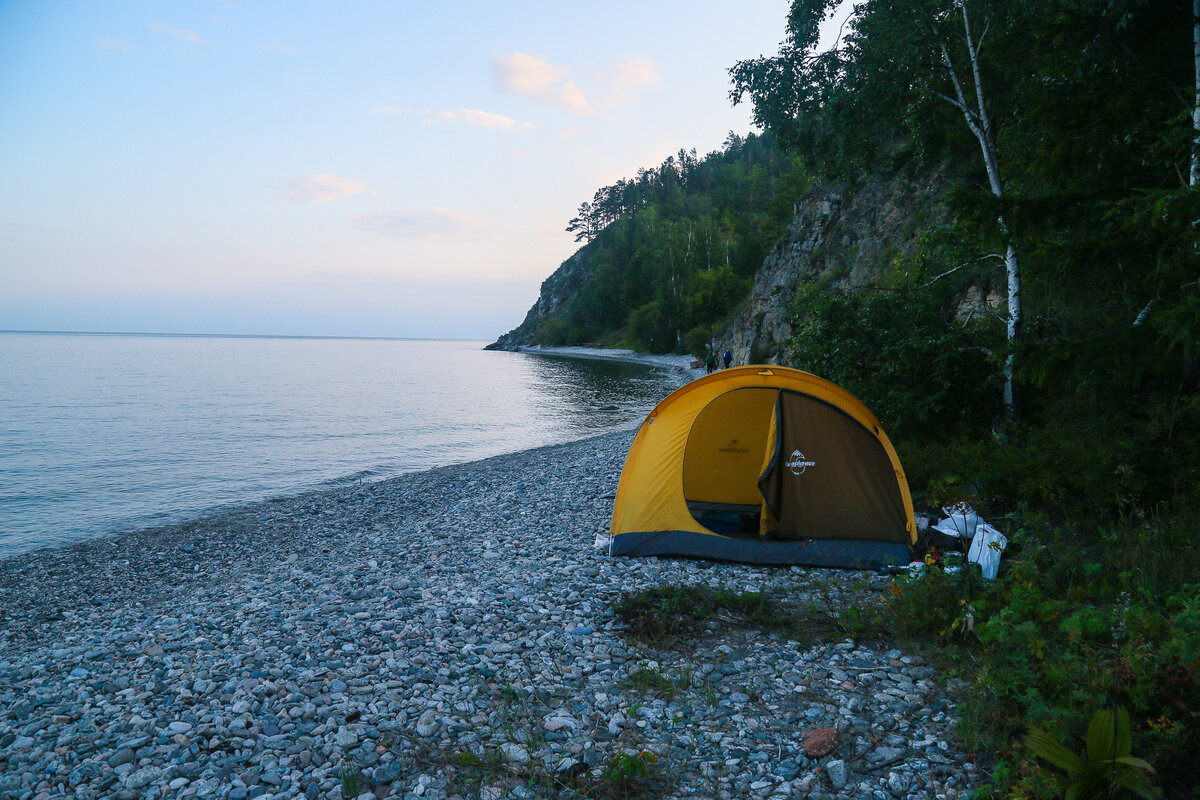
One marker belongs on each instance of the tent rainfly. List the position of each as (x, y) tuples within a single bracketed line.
[(766, 465)]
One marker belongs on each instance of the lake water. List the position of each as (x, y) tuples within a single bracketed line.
[(101, 433)]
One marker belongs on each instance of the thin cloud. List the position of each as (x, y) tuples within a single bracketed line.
[(623, 81), (574, 99), (634, 73), (540, 80), (464, 116), (178, 33), (319, 188), (531, 76), (436, 224), (479, 119), (525, 74), (114, 45)]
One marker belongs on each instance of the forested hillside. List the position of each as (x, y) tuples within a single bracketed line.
[(670, 252), (1026, 327)]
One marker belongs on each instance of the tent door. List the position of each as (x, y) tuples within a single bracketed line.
[(723, 458), (829, 477)]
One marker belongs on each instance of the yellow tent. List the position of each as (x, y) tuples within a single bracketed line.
[(767, 465)]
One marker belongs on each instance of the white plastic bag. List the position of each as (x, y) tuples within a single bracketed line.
[(986, 548), (961, 521)]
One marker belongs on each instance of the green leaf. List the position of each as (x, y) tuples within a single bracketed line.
[(1123, 744), (1101, 737), (1138, 783), (1046, 746), (1130, 761)]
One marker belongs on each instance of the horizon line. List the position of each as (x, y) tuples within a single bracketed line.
[(240, 335)]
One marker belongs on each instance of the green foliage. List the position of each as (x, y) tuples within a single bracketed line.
[(1071, 624), (353, 782), (1077, 456), (675, 249), (699, 340), (893, 349), (1106, 765), (558, 332), (661, 684), (627, 774)]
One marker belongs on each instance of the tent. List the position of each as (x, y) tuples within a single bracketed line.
[(766, 465)]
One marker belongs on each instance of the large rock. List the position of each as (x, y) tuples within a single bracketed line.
[(562, 285), (840, 238), (836, 770), (820, 742)]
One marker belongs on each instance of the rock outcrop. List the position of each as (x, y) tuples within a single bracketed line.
[(561, 286), (839, 238)]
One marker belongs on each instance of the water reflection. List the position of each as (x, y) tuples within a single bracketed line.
[(102, 433), (600, 394)]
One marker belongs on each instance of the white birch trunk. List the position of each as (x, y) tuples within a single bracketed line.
[(981, 127), (1194, 178)]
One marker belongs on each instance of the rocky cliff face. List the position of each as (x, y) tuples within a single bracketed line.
[(556, 290), (840, 238)]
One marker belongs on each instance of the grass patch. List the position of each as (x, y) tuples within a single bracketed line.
[(662, 684), (354, 782), (628, 774), (663, 613)]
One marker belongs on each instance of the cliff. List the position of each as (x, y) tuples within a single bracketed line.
[(557, 290), (839, 237)]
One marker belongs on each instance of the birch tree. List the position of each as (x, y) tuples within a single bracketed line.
[(1194, 179), (975, 114), (898, 56)]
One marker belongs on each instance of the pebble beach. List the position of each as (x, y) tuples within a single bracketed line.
[(444, 634)]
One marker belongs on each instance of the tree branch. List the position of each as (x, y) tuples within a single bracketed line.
[(971, 115), (964, 109), (973, 53), (964, 265), (1145, 312)]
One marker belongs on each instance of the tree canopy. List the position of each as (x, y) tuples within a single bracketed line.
[(673, 250), (1068, 123)]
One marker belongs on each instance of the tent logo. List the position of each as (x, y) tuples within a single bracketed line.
[(797, 464)]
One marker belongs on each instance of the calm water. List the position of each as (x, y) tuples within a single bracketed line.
[(100, 433)]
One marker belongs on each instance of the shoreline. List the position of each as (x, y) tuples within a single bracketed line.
[(395, 628), (173, 518), (681, 363)]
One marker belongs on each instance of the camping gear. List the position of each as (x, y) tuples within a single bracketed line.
[(960, 521), (766, 465), (986, 548)]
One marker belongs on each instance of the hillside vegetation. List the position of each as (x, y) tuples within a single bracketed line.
[(1032, 346), (669, 253)]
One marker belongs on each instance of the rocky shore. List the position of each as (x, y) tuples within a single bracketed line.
[(443, 634)]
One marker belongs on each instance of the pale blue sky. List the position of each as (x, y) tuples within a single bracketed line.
[(352, 168)]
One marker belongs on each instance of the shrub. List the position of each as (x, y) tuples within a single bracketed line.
[(895, 352)]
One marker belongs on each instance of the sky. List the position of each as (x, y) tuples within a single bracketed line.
[(360, 168)]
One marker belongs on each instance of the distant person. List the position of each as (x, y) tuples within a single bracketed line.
[(728, 359), (711, 362)]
